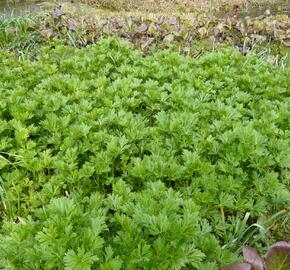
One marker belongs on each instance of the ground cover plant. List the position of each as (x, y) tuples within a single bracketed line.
[(263, 29), (113, 160)]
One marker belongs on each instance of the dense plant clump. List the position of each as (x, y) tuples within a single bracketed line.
[(112, 160)]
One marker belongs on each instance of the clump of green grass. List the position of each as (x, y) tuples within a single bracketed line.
[(21, 35)]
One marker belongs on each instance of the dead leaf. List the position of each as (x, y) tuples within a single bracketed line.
[(21, 220), (286, 42), (71, 25), (252, 257), (172, 21), (11, 31), (186, 50), (218, 29), (147, 43), (119, 24), (241, 27), (47, 33), (169, 38), (258, 38), (268, 12), (202, 31)]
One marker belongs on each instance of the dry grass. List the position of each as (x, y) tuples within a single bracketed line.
[(159, 6)]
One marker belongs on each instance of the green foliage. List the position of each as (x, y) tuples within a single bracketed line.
[(112, 160)]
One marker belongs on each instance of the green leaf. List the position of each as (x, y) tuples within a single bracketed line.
[(79, 260)]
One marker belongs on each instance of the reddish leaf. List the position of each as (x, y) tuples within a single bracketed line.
[(143, 28), (216, 31), (252, 257), (160, 20), (57, 13), (159, 28), (278, 257), (237, 266), (241, 27)]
